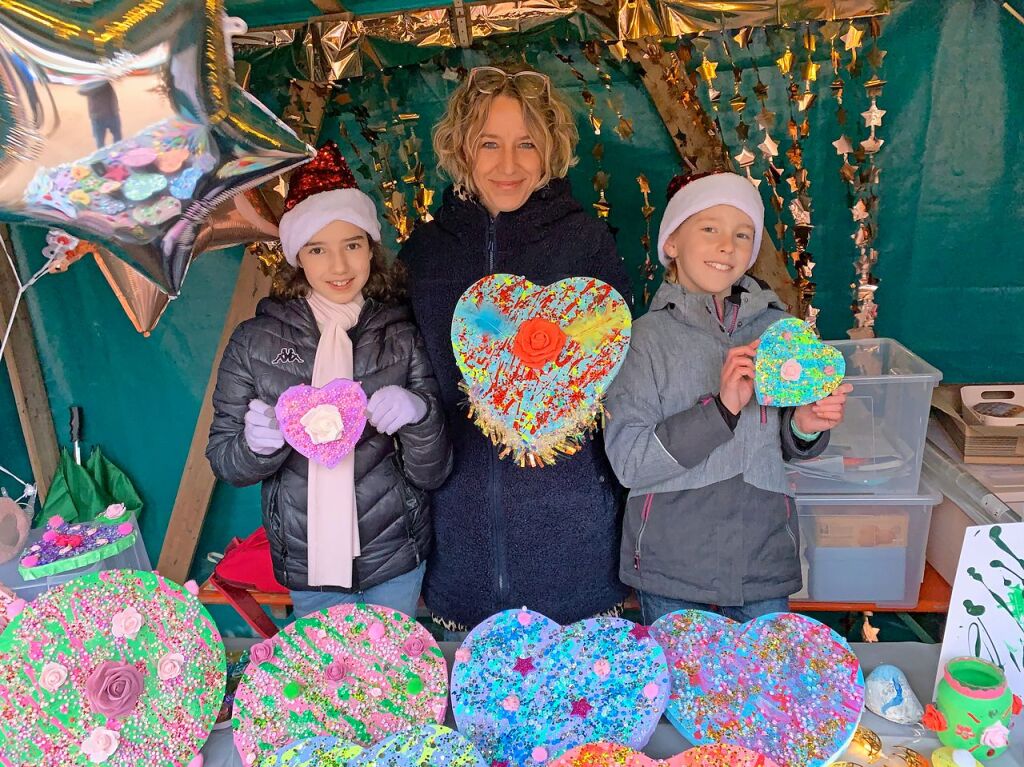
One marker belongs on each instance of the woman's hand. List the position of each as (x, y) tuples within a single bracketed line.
[(737, 383), (822, 415)]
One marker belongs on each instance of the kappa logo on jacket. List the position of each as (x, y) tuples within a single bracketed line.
[(287, 355)]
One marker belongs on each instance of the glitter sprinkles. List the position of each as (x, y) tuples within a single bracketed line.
[(65, 637), (783, 685), (526, 689), (358, 672), (427, 746), (605, 754)]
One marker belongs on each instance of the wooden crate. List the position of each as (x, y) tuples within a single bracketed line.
[(977, 444)]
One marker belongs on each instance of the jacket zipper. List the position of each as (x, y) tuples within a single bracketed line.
[(730, 331), (497, 512), (644, 515), (789, 529)]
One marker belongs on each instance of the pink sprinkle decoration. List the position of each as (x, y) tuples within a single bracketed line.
[(602, 668), (540, 754), (462, 655), (511, 703), (651, 691), (55, 521), (525, 619), (124, 528)]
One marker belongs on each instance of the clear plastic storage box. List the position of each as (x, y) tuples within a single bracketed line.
[(134, 558), (878, 448), (867, 549)]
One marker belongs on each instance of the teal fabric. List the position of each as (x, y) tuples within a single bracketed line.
[(952, 221)]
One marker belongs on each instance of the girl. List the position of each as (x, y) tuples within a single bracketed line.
[(360, 531)]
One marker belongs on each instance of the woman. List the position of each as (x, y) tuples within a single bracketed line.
[(507, 536)]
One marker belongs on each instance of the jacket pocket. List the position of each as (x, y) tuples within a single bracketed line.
[(645, 514), (416, 506)]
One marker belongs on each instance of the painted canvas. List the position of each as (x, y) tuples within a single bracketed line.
[(986, 611)]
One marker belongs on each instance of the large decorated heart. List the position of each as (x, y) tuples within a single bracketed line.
[(70, 545), (525, 689), (120, 668), (358, 672), (783, 685), (793, 367), (606, 754), (537, 360), (324, 424), (428, 746)]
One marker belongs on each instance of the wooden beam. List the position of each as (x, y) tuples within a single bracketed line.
[(27, 380), (699, 144), (197, 480)]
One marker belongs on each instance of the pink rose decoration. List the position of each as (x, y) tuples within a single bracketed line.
[(995, 736), (169, 666), (791, 370), (114, 688), (261, 652), (50, 536), (336, 672), (30, 561), (100, 744), (114, 511), (55, 521), (127, 623), (125, 528), (376, 631), (52, 677), (414, 647)]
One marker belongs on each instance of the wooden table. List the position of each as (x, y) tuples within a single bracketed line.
[(934, 598)]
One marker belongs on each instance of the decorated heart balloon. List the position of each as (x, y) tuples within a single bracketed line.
[(324, 424), (525, 689), (428, 746), (606, 754), (356, 672), (783, 685), (120, 668), (793, 367), (537, 360)]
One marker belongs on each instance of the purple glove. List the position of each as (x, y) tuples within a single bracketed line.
[(392, 407), (262, 433)]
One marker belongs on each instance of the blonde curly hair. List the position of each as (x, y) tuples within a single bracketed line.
[(548, 118)]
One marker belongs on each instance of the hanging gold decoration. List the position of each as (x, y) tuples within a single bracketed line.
[(649, 267), (687, 17)]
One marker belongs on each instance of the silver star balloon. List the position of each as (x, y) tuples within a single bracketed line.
[(122, 123)]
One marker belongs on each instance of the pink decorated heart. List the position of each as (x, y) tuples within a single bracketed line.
[(606, 754), (324, 424)]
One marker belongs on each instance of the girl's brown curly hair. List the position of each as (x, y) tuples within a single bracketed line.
[(386, 283)]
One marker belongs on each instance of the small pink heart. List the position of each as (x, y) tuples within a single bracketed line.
[(323, 424)]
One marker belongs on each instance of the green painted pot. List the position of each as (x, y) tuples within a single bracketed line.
[(974, 708)]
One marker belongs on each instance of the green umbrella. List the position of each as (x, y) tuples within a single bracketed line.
[(80, 493)]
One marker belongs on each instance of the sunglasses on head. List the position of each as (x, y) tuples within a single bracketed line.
[(528, 83)]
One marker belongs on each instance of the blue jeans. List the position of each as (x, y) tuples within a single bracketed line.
[(653, 606), (401, 593)]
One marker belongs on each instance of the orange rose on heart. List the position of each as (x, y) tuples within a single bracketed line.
[(538, 342)]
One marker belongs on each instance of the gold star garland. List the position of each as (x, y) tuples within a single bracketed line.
[(649, 268), (601, 178), (862, 179), (738, 103)]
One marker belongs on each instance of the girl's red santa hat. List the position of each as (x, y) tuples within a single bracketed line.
[(689, 195), (320, 192)]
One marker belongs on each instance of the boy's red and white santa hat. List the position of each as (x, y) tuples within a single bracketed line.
[(689, 195), (320, 192)]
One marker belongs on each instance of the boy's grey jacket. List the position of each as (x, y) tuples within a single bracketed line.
[(708, 517)]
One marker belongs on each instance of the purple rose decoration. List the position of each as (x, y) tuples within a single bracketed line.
[(261, 652), (114, 688), (336, 672)]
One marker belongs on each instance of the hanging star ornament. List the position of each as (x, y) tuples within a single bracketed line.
[(708, 69), (843, 145), (745, 158), (872, 144), (172, 134), (852, 39), (768, 147), (873, 117)]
